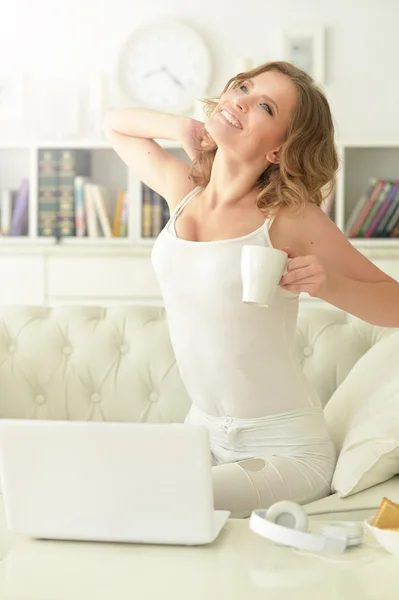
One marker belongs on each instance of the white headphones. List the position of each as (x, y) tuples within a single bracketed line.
[(286, 523)]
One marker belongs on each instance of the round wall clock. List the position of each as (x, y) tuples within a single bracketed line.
[(165, 65)]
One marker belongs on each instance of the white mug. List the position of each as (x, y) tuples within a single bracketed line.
[(261, 270)]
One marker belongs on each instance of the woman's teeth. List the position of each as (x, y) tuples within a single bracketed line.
[(231, 119)]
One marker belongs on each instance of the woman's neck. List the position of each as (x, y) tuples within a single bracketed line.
[(231, 182)]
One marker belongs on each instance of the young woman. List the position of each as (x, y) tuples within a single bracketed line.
[(260, 164)]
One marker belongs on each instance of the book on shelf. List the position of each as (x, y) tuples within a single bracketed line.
[(379, 200), (118, 214), (58, 168), (98, 202), (14, 210), (154, 213), (384, 205), (48, 192), (390, 215), (392, 225), (146, 220), (6, 210), (69, 202), (93, 216), (92, 223), (120, 221), (395, 231), (72, 163), (119, 227), (80, 212), (376, 213)]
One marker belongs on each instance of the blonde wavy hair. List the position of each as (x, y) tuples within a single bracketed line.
[(308, 157)]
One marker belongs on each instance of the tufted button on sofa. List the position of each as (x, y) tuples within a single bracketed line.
[(117, 364)]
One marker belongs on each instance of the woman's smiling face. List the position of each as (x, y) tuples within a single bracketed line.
[(253, 117)]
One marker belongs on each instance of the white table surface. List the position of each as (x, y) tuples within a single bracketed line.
[(239, 565)]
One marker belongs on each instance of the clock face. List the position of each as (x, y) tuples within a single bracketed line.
[(165, 66)]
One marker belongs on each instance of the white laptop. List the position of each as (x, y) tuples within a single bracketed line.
[(115, 482)]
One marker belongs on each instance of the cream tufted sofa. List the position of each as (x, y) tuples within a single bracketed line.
[(117, 364)]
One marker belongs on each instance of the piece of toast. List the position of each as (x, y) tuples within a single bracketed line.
[(387, 516)]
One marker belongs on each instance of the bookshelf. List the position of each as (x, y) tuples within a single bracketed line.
[(358, 163), (100, 270), (20, 160)]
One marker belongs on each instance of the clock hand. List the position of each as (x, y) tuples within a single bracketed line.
[(151, 73), (174, 79)]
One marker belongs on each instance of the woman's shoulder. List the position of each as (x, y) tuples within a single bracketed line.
[(293, 223), (292, 212), (180, 193)]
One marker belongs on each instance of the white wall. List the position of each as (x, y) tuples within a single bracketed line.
[(81, 37)]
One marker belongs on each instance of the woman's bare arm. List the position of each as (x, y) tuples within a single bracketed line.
[(130, 131)]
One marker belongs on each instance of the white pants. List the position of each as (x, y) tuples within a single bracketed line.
[(288, 456)]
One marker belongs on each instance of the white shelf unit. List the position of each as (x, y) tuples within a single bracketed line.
[(359, 162), (15, 164), (103, 271), (19, 160)]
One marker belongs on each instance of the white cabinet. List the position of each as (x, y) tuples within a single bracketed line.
[(22, 279), (36, 270), (101, 278)]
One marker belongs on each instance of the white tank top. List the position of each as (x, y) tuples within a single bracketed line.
[(235, 359)]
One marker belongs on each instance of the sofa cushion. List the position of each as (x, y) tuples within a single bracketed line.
[(356, 506), (329, 342), (363, 418)]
